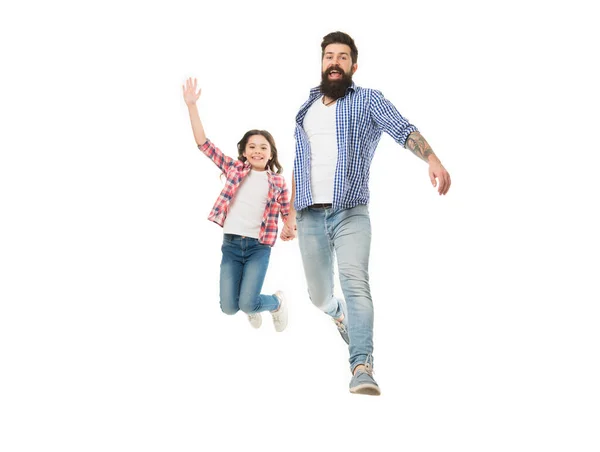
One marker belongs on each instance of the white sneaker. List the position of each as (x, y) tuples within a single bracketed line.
[(255, 320), (280, 317)]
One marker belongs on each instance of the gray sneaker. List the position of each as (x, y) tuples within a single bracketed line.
[(343, 325), (364, 383)]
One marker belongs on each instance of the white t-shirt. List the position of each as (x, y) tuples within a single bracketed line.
[(319, 124), (247, 207)]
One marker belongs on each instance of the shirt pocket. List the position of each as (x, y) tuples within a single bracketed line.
[(275, 194)]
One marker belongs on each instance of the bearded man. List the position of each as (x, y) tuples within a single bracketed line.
[(337, 131)]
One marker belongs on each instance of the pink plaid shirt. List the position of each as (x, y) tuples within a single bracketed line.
[(235, 171)]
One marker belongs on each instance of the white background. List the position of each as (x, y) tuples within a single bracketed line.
[(486, 300)]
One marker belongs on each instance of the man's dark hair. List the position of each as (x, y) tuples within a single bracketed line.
[(339, 37)]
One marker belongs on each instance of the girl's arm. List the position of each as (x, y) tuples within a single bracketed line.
[(191, 96), (289, 227), (284, 201)]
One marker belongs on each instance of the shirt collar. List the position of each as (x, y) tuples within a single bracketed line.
[(248, 166)]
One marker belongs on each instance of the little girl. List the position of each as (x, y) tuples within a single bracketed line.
[(248, 209)]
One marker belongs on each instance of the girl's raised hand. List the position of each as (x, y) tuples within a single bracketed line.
[(190, 96)]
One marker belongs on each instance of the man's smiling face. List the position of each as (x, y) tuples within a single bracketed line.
[(337, 62)]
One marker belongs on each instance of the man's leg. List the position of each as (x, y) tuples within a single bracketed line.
[(351, 232), (316, 250)]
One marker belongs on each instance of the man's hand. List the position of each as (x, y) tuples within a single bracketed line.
[(439, 176), (289, 229), (437, 173)]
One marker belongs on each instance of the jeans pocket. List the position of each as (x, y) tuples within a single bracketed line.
[(228, 240)]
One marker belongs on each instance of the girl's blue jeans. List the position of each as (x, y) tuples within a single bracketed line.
[(243, 269)]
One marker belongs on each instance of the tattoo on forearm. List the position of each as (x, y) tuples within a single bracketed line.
[(417, 144)]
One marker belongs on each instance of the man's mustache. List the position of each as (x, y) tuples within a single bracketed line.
[(329, 70)]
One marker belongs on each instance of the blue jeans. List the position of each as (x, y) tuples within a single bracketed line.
[(327, 234), (243, 269)]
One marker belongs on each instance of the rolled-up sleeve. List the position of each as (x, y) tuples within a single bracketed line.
[(389, 119)]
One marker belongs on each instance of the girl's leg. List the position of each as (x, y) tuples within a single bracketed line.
[(256, 262), (231, 274)]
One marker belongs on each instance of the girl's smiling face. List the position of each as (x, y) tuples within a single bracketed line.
[(258, 152)]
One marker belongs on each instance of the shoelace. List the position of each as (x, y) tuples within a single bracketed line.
[(369, 365), (340, 326), (276, 318)]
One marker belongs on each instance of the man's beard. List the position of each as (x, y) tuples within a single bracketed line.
[(335, 89)]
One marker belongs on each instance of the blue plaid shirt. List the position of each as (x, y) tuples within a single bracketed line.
[(361, 116)]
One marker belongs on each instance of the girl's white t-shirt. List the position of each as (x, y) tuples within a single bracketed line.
[(319, 124), (247, 207)]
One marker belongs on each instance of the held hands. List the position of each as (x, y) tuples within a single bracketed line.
[(437, 172), (289, 229), (190, 96)]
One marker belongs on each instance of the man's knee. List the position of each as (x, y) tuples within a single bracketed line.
[(321, 301)]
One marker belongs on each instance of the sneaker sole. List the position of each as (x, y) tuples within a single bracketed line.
[(366, 389)]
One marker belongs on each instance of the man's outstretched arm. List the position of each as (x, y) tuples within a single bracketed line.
[(419, 146)]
